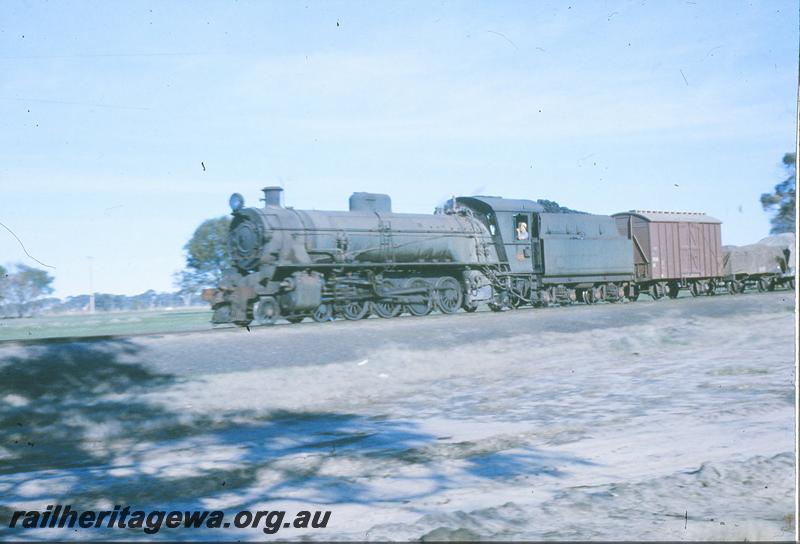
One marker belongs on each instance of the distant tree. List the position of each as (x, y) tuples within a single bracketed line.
[(76, 303), (189, 283), (206, 257), (145, 301), (47, 304), (551, 206), (782, 201), (25, 285)]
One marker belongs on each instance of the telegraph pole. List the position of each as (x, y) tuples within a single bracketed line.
[(91, 289)]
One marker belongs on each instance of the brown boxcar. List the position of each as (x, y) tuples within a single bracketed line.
[(673, 250)]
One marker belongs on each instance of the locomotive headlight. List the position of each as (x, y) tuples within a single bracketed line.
[(236, 202)]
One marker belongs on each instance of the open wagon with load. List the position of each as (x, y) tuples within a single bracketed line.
[(763, 266)]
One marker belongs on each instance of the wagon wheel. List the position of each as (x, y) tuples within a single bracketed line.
[(387, 308), (588, 296), (711, 288), (323, 313), (599, 293), (761, 285), (656, 291), (448, 295), (422, 303), (702, 288), (672, 290), (295, 319), (732, 288), (541, 299), (266, 311), (771, 284), (355, 309), (694, 289), (544, 301), (791, 283)]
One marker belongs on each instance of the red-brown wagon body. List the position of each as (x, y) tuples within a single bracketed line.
[(673, 248)]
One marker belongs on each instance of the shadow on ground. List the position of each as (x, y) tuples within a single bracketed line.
[(76, 428)]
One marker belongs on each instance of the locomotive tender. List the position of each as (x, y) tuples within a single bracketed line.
[(506, 253), (322, 264)]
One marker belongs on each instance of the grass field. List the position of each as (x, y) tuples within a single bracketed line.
[(126, 323), (105, 324)]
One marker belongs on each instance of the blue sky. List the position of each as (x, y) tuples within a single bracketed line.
[(107, 110)]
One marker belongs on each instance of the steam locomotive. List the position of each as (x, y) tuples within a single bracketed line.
[(292, 264)]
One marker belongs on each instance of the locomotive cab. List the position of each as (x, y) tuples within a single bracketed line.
[(503, 217), (565, 247)]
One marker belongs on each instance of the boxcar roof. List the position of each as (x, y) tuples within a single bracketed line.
[(671, 217), (500, 204)]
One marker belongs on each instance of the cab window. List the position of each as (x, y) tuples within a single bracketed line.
[(491, 223), (521, 227)]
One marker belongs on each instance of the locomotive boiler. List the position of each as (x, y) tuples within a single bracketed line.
[(294, 264)]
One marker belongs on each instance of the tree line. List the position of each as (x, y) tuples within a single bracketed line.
[(24, 290)]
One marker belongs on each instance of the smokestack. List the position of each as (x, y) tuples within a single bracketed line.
[(273, 196)]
